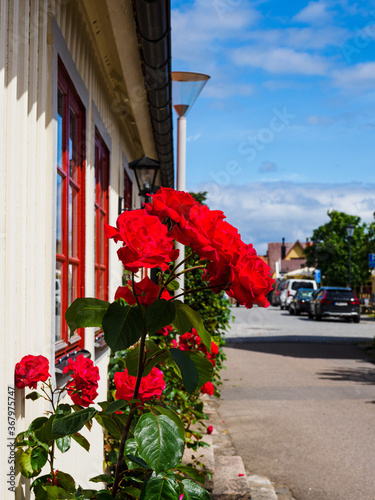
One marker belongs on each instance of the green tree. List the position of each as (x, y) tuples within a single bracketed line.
[(329, 250)]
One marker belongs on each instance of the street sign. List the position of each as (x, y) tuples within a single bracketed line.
[(318, 276), (371, 259)]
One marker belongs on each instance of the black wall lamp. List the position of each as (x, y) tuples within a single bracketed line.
[(145, 171)]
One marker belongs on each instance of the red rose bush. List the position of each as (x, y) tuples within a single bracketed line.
[(139, 322)]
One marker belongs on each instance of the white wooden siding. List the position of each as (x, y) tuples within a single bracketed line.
[(32, 33)]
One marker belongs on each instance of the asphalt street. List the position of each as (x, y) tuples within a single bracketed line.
[(298, 399)]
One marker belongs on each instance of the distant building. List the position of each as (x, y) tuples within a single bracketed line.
[(284, 257)]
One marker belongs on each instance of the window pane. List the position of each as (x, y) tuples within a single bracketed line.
[(59, 248), (73, 240), (72, 283), (58, 288)]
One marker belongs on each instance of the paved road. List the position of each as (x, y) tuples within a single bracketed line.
[(258, 323), (302, 413)]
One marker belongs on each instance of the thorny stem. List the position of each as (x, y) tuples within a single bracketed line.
[(121, 460)]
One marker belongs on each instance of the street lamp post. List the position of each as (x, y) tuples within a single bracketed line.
[(186, 88), (350, 232)]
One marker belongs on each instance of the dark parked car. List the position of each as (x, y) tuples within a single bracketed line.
[(300, 302), (339, 302)]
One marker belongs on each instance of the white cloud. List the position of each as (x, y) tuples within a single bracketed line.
[(199, 30), (281, 60), (302, 38), (314, 13), (359, 77), (266, 212)]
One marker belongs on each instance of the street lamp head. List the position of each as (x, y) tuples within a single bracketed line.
[(186, 88), (350, 230), (145, 170)]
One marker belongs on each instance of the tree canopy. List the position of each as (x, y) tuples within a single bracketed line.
[(329, 250)]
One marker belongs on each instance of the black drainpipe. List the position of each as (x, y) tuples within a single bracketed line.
[(153, 19)]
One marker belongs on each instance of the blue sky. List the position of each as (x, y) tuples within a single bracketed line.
[(284, 129)]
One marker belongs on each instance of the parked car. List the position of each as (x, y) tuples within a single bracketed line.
[(290, 288), (334, 301), (300, 302), (275, 293)]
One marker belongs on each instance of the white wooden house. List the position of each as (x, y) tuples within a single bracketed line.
[(85, 88)]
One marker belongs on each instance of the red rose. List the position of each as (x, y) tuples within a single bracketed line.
[(210, 429), (214, 239), (166, 330), (83, 388), (170, 203), (208, 388), (146, 290), (152, 385), (250, 281), (31, 370), (145, 241)]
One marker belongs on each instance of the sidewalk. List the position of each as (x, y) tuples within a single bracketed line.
[(230, 480)]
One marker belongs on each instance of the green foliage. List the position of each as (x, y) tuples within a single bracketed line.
[(85, 312), (329, 250)]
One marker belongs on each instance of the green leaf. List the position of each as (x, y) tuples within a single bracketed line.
[(122, 325), (136, 460), (86, 312), (26, 468), (131, 449), (66, 481), (190, 471), (159, 315), (116, 406), (37, 423), (189, 372), (130, 490), (38, 457), (102, 478), (173, 285), (70, 424), (63, 409), (109, 424), (159, 441), (104, 495), (181, 322), (39, 492), (203, 366), (45, 434), (63, 444), (196, 321), (87, 493), (173, 416), (193, 491), (55, 492), (33, 395), (152, 351), (159, 488), (81, 440)]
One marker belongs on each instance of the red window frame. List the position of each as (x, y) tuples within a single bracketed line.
[(70, 214), (102, 160)]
